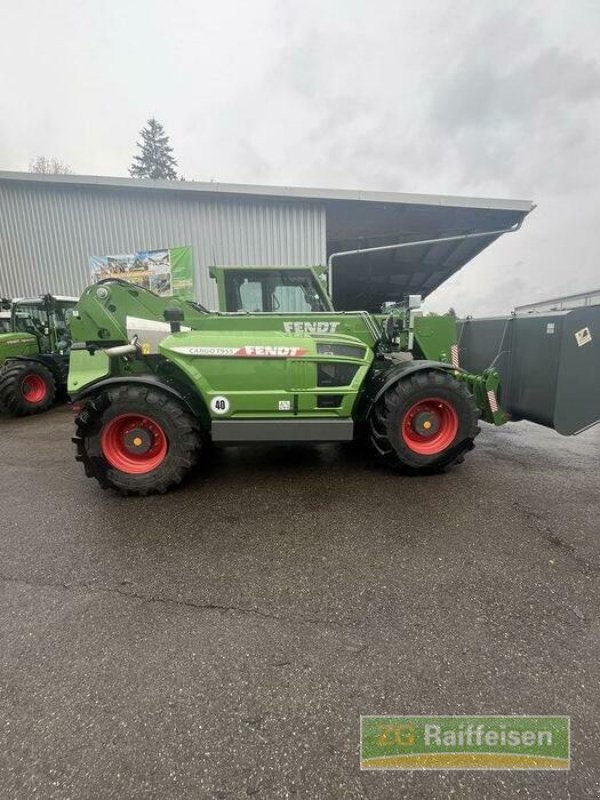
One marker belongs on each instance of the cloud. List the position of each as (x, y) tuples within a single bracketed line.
[(448, 96), (524, 118), (482, 94)]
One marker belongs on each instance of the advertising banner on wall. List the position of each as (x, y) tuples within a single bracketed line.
[(165, 272)]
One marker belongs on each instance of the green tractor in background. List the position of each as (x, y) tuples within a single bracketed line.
[(34, 353), (156, 378)]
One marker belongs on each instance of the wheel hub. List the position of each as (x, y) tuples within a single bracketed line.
[(137, 441), (426, 423)]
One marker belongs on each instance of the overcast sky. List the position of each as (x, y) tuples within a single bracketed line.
[(488, 98)]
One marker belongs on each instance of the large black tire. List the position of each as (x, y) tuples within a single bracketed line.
[(396, 423), (107, 447), (26, 387)]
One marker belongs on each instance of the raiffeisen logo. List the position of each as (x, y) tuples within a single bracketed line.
[(465, 742), (310, 327)]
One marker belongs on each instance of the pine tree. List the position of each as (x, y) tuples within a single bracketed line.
[(155, 159)]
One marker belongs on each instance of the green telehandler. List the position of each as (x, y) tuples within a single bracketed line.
[(156, 378), (34, 352)]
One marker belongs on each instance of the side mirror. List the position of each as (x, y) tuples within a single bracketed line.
[(174, 316)]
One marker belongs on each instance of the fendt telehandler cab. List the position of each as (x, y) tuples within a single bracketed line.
[(156, 377), (34, 353)]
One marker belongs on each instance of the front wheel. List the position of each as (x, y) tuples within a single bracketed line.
[(137, 440), (26, 387), (424, 423)]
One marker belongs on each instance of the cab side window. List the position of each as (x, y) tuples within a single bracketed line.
[(33, 319), (289, 299)]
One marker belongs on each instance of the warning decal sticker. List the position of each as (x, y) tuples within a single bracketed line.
[(583, 337)]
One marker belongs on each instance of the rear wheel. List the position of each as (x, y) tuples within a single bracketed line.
[(136, 440), (26, 387), (424, 423)]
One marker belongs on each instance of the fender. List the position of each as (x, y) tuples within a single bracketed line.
[(174, 388), (378, 382)]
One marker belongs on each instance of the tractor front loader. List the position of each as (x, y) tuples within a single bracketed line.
[(155, 378), (34, 353)]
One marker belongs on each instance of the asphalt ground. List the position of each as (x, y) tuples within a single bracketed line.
[(223, 640)]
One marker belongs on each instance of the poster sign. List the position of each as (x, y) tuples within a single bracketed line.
[(165, 272)]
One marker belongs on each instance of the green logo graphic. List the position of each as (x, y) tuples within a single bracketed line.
[(465, 742)]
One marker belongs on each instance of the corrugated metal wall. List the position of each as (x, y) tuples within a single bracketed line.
[(48, 232)]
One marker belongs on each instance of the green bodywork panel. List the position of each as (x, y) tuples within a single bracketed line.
[(434, 337), (86, 368), (262, 375), (271, 374), (17, 344), (357, 325)]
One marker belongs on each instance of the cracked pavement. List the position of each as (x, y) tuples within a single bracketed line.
[(223, 640)]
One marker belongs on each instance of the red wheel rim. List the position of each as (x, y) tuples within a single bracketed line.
[(34, 388), (430, 426), (134, 443)]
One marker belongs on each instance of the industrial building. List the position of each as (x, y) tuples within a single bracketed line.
[(51, 225), (561, 303)]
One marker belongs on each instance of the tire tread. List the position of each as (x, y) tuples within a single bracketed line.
[(188, 440), (388, 411)]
